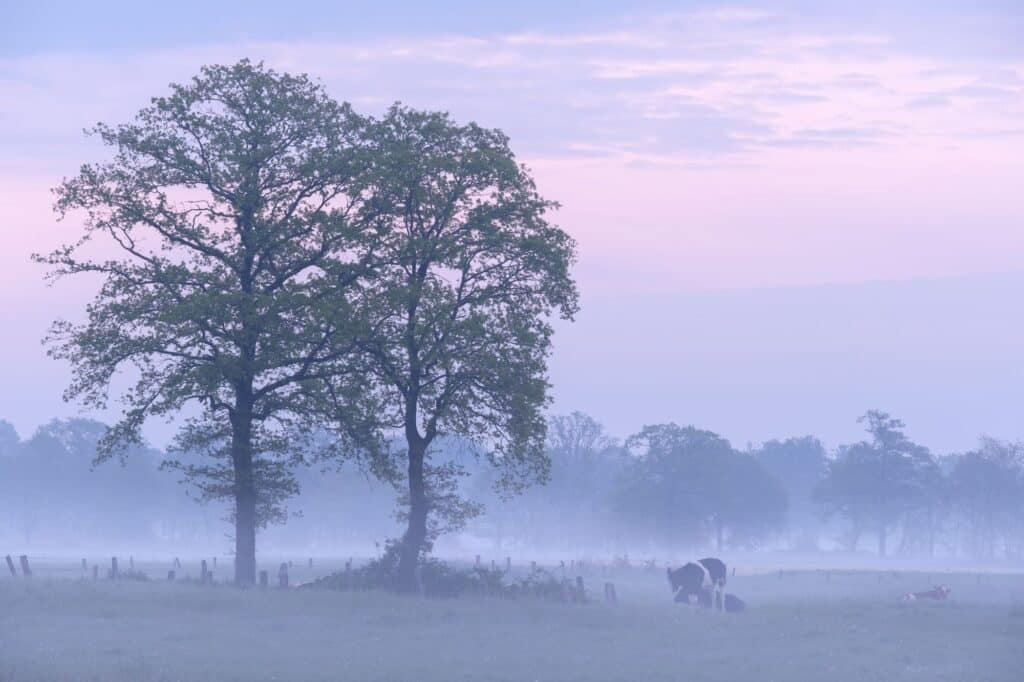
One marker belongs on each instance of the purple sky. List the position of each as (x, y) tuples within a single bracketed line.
[(786, 215)]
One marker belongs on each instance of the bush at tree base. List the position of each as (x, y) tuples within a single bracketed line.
[(441, 579)]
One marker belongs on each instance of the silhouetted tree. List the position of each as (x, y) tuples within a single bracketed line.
[(53, 499), (987, 487), (470, 273), (229, 214), (799, 464), (685, 484), (573, 505), (873, 484), (9, 439)]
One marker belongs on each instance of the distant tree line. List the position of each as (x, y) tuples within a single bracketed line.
[(664, 487)]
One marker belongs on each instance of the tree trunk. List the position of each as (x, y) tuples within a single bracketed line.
[(931, 532), (416, 533), (882, 536), (245, 490)]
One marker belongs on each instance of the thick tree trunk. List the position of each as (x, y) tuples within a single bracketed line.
[(416, 533), (245, 491)]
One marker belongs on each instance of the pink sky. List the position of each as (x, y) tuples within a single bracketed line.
[(694, 153)]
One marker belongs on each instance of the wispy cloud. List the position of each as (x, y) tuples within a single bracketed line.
[(722, 83)]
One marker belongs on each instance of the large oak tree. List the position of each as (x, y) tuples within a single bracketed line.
[(226, 220), (470, 274)]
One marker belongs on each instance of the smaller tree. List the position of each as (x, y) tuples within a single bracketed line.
[(582, 456), (468, 274), (987, 489), (874, 484), (9, 439), (573, 503), (799, 464), (686, 485)]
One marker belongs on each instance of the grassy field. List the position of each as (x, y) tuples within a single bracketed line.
[(800, 626)]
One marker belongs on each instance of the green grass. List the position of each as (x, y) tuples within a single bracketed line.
[(803, 626)]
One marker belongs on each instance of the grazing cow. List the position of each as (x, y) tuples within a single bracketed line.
[(699, 579), (938, 593)]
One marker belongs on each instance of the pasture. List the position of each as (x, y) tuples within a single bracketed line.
[(801, 626)]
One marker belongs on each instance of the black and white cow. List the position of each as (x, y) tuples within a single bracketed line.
[(699, 578)]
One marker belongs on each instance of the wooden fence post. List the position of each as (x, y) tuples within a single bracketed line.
[(131, 562), (113, 568), (10, 566), (282, 576), (26, 572), (263, 580), (203, 573), (609, 593)]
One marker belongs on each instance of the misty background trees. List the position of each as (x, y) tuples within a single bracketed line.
[(600, 497)]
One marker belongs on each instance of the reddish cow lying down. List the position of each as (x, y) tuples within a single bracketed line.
[(938, 593)]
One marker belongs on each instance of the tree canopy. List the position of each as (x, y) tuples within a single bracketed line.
[(232, 208), (875, 483), (690, 484), (469, 272)]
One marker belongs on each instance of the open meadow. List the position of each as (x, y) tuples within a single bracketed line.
[(811, 625)]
